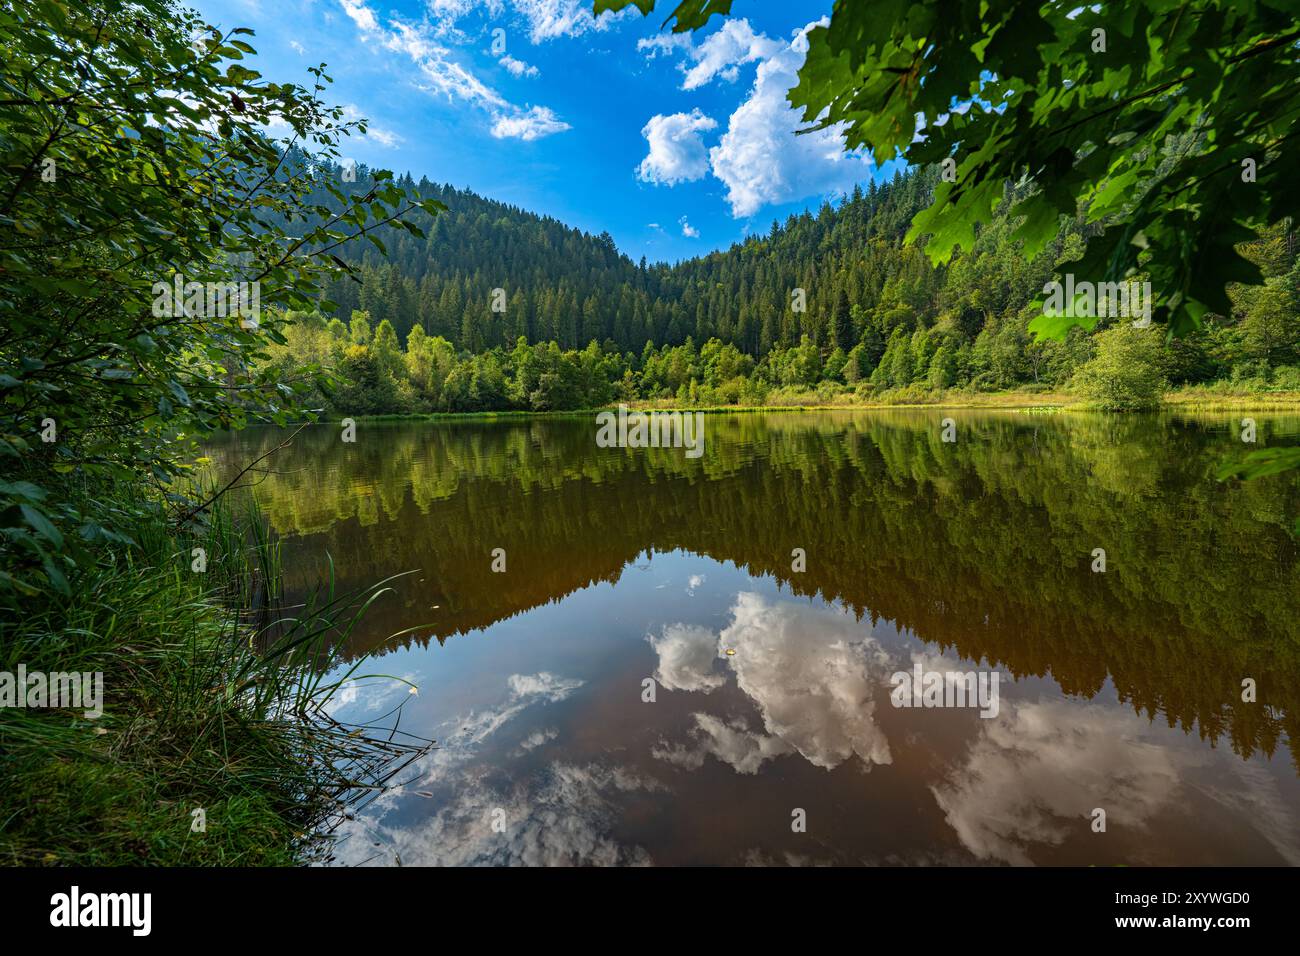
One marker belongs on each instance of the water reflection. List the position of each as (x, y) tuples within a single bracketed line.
[(1121, 691)]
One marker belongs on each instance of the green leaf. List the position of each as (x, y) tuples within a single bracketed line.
[(42, 525)]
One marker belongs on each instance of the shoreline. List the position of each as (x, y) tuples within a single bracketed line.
[(1183, 400)]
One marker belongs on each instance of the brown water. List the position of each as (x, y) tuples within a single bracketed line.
[(1118, 691)]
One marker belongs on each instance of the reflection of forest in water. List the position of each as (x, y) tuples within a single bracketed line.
[(983, 546)]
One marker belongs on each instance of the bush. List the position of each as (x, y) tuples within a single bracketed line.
[(1286, 378), (1126, 374)]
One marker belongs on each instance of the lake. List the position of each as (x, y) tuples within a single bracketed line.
[(632, 656)]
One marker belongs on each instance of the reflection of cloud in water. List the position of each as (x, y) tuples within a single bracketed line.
[(1258, 799), (374, 694), (686, 655), (525, 690), (813, 673), (1037, 771), (536, 739), (557, 816), (731, 742)]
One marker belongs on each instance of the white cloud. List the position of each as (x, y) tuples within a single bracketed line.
[(1037, 771), (814, 676), (690, 232), (381, 135), (761, 160), (533, 124), (686, 655), (664, 43), (677, 153), (544, 685), (361, 15), (443, 75), (518, 67), (297, 47), (560, 816), (536, 739), (724, 52), (525, 690), (550, 19), (731, 742), (384, 137), (721, 54), (444, 14)]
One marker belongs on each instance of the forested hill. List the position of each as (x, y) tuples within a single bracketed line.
[(418, 332), (570, 287)]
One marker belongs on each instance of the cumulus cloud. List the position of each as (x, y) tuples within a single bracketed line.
[(677, 153), (723, 53), (760, 159), (814, 674), (731, 742), (1038, 770), (690, 232), (686, 656), (518, 67)]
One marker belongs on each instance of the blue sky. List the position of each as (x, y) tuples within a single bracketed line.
[(677, 145)]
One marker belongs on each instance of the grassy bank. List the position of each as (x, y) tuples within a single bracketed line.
[(1191, 398), (212, 700), (1226, 397)]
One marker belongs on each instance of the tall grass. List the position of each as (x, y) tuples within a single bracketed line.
[(216, 698)]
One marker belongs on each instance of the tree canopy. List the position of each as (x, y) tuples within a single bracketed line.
[(134, 155)]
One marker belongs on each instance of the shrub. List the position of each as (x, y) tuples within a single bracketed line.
[(1125, 374)]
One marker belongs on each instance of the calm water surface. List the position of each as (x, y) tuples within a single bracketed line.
[(1119, 691)]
